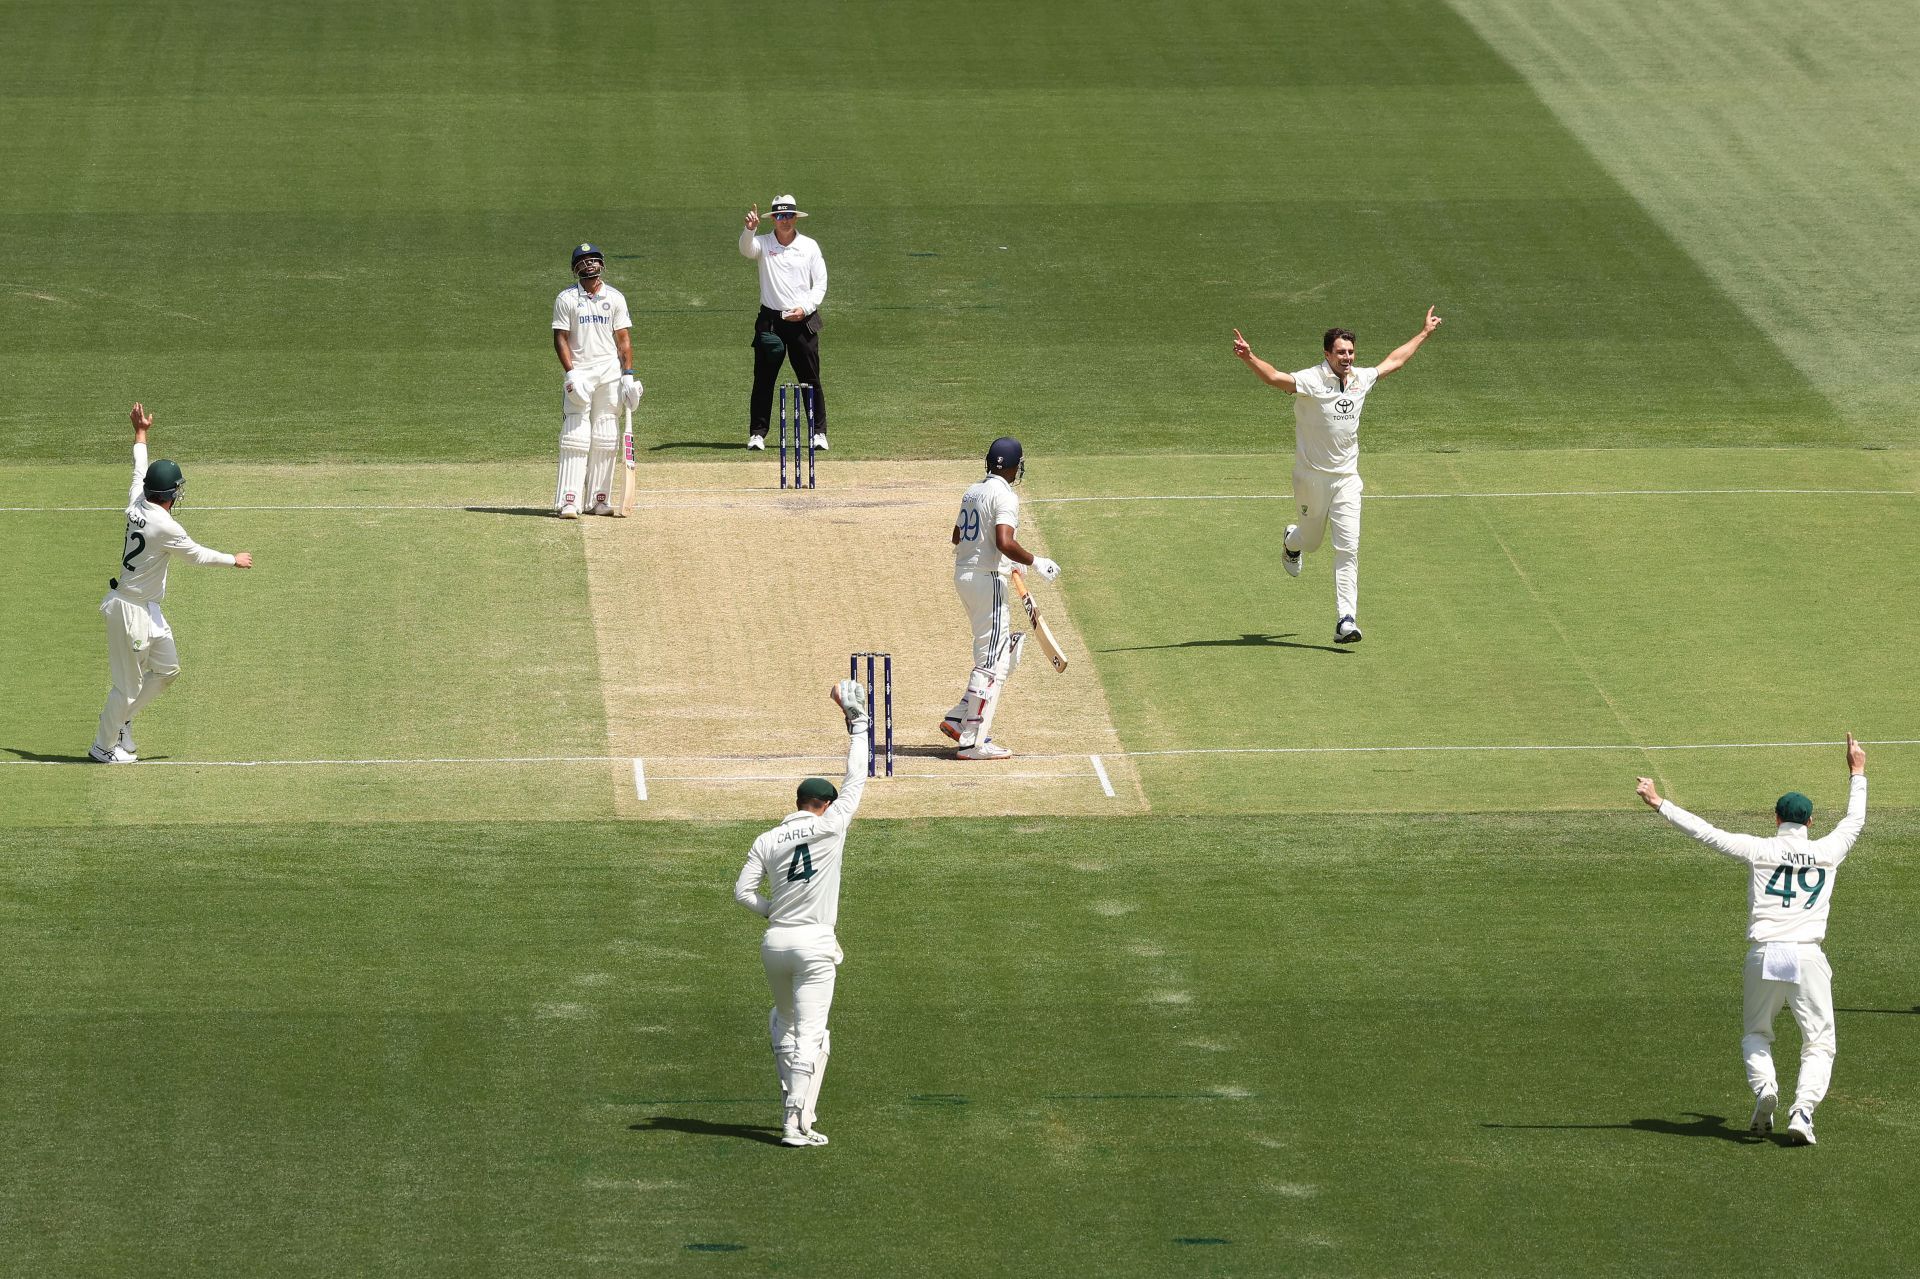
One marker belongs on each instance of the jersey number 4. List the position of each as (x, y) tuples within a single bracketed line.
[(1781, 884), (801, 867)]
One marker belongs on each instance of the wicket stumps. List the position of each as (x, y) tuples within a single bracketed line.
[(801, 394), (874, 707)]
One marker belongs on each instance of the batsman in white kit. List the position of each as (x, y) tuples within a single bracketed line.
[(140, 649), (800, 861), (1326, 461), (1789, 890), (984, 550), (593, 336)]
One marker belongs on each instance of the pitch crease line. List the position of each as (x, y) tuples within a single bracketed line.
[(640, 778), (1100, 771)]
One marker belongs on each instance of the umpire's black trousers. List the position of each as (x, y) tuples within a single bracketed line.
[(776, 341)]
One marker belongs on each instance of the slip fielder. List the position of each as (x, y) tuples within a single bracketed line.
[(800, 861), (1789, 891), (1326, 464), (140, 649), (593, 336), (984, 550)]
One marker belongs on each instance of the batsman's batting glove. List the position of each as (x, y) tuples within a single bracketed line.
[(853, 704), (577, 388), (631, 390), (1046, 568)]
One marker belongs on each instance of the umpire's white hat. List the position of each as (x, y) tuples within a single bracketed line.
[(784, 204)]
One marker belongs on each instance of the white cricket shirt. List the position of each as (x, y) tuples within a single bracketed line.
[(590, 320), (989, 502), (1326, 418), (153, 535), (790, 274), (1792, 881), (800, 858)]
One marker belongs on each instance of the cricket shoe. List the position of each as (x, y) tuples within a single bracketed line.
[(568, 511), (988, 749), (601, 506), (126, 741), (112, 755), (1762, 1121), (1290, 560), (1345, 631), (1799, 1128), (820, 442), (951, 727), (815, 1137), (756, 443)]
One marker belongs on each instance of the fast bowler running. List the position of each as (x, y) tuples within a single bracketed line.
[(1326, 463), (140, 648), (800, 860), (984, 549), (1789, 891), (592, 335)]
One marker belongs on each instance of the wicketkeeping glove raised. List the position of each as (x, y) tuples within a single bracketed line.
[(852, 700)]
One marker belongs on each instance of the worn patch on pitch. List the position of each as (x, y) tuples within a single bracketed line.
[(725, 610)]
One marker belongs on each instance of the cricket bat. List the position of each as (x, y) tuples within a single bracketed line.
[(1048, 644), (626, 485)]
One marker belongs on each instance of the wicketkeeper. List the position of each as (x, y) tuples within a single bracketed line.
[(1789, 891), (800, 861), (592, 335), (140, 648)]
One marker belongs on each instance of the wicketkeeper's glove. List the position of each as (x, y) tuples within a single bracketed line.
[(852, 699)]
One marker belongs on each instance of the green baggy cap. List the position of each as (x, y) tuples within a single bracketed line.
[(1794, 807), (818, 788)]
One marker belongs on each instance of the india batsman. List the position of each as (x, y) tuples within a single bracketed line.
[(593, 336)]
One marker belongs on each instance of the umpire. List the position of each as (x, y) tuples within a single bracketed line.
[(793, 284)]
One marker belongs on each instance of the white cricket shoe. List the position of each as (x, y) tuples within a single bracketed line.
[(988, 749), (820, 442), (1346, 631), (1290, 560), (126, 741), (1799, 1128), (1763, 1105), (112, 755), (792, 1131), (815, 1137), (951, 727), (601, 506), (756, 444), (568, 511)]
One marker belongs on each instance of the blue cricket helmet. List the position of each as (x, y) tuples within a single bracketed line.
[(1006, 452), (585, 253)]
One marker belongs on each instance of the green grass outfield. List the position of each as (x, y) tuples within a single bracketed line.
[(1454, 1004)]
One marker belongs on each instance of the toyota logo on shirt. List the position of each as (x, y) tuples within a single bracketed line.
[(1343, 406)]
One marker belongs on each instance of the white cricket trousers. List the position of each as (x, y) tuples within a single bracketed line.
[(801, 962), (983, 593), (589, 445), (1811, 999), (141, 659), (1331, 501)]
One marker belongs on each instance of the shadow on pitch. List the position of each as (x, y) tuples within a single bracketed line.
[(1714, 1126), (695, 444), (1250, 640), (762, 1133), (544, 512), (37, 758), (1894, 1012)]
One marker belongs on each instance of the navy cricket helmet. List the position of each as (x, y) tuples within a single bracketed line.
[(1006, 452), (588, 253)]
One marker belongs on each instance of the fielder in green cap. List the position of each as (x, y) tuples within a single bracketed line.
[(1790, 885), (799, 860), (140, 649)]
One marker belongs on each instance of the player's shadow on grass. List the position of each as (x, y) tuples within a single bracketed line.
[(544, 512), (1251, 639), (37, 758), (1895, 1012), (1714, 1126), (696, 444), (762, 1133)]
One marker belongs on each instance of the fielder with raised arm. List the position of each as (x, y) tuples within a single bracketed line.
[(984, 549), (800, 861), (140, 649), (1789, 890), (593, 336), (1326, 460)]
